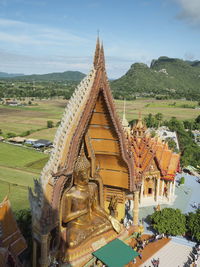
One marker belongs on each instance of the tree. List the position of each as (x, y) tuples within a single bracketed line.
[(23, 218), (197, 120), (193, 223), (188, 124), (159, 117), (50, 124), (169, 221), (171, 143)]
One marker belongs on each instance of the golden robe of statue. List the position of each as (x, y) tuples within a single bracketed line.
[(81, 213)]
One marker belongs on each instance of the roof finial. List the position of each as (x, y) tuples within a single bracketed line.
[(101, 57), (97, 51)]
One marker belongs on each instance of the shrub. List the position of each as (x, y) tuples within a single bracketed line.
[(49, 124), (10, 135), (182, 180)]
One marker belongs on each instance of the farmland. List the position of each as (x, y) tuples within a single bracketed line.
[(18, 165), (20, 119)]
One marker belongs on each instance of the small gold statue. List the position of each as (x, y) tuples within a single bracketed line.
[(81, 213), (113, 206)]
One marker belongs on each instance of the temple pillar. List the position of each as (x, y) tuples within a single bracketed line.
[(162, 188), (141, 191), (169, 190), (136, 208), (157, 189), (44, 261), (34, 258), (174, 186)]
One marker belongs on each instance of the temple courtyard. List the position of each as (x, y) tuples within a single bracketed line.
[(177, 250), (185, 196)]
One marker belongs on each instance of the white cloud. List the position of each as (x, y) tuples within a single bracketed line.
[(190, 10), (23, 33), (16, 63)]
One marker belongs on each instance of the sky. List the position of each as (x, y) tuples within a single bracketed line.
[(44, 36)]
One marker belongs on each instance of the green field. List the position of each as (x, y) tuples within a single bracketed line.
[(18, 167), (21, 119), (181, 109)]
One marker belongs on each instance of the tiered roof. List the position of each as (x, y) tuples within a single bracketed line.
[(147, 151), (12, 243)]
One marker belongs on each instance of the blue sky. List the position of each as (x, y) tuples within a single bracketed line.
[(42, 36)]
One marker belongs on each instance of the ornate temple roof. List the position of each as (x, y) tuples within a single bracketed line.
[(147, 149), (90, 113), (139, 128), (12, 243)]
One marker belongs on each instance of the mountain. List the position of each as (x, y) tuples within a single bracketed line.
[(10, 75), (57, 76), (166, 77)]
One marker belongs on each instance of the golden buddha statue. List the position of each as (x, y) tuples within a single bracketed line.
[(81, 213)]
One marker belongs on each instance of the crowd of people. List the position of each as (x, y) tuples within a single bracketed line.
[(141, 244)]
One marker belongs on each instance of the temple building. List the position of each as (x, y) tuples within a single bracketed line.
[(155, 164), (79, 200), (12, 242)]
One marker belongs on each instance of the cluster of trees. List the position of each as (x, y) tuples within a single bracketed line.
[(50, 89), (190, 151), (173, 222)]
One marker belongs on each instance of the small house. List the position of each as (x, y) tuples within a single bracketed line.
[(42, 143)]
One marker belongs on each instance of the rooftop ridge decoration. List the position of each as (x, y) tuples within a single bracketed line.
[(70, 117)]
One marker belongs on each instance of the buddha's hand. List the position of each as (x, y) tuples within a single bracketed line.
[(115, 224)]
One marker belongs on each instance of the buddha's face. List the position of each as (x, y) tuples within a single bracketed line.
[(82, 177)]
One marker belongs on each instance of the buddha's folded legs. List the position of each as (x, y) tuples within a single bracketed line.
[(80, 233)]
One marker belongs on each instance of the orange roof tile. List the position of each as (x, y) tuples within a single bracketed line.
[(11, 236), (146, 149)]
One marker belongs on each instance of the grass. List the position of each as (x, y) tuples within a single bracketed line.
[(18, 166), (18, 196), (21, 119), (19, 157), (44, 134), (153, 106)]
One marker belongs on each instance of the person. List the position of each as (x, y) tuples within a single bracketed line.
[(134, 261), (140, 254)]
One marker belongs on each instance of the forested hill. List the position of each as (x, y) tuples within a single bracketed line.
[(166, 77), (9, 75), (57, 76)]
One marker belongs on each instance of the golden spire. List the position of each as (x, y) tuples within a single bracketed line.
[(97, 52)]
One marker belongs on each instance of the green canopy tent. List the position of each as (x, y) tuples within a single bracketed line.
[(115, 254)]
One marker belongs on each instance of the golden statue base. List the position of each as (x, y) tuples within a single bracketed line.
[(79, 256)]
